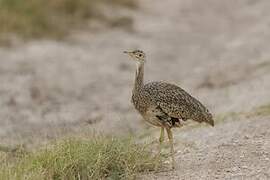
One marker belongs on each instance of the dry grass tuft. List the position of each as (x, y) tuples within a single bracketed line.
[(98, 158)]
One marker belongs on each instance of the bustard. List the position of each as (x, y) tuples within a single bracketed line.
[(164, 105)]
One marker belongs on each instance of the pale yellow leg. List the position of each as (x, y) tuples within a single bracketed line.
[(161, 138), (170, 136)]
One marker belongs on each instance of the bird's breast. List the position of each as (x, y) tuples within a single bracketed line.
[(139, 103)]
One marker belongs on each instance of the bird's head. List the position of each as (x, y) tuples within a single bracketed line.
[(137, 55)]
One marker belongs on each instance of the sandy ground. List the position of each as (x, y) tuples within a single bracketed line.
[(219, 51), (231, 150)]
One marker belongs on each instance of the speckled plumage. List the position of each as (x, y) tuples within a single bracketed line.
[(163, 104), (171, 103)]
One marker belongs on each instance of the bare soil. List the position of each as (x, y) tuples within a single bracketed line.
[(219, 51)]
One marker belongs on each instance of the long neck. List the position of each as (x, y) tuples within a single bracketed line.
[(139, 77)]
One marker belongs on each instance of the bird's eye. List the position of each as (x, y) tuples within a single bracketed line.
[(140, 55)]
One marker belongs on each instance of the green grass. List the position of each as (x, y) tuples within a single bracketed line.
[(98, 158), (263, 110), (226, 116), (53, 18)]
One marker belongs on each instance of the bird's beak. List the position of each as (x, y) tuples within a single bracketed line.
[(128, 52)]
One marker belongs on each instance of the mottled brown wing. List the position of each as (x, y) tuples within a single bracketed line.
[(175, 101)]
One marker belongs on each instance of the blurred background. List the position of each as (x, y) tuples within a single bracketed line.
[(63, 72), (62, 67)]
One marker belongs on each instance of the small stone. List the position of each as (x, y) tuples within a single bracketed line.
[(167, 162), (234, 169)]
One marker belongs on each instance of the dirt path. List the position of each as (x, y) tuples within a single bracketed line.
[(217, 51), (231, 150)]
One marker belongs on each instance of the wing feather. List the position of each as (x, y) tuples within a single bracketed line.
[(175, 101)]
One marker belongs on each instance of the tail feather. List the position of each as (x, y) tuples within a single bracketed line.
[(211, 122), (207, 118)]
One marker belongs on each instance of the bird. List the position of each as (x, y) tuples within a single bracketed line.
[(163, 104)]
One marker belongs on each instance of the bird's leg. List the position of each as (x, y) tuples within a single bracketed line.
[(161, 138), (170, 136)]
